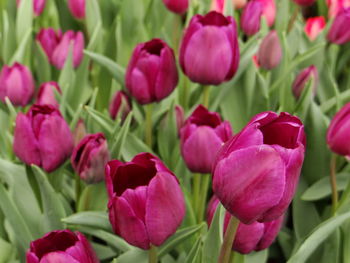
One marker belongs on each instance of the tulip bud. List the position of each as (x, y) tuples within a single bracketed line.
[(77, 8), (42, 137), (48, 38), (38, 6), (90, 157), (17, 84), (46, 94), (176, 6), (256, 236), (269, 11), (70, 40), (61, 246), (79, 132), (303, 77), (142, 209), (314, 27), (151, 74), (120, 105), (270, 51), (255, 173), (338, 136), (201, 138), (209, 52), (339, 33), (218, 5), (304, 2), (251, 16), (335, 6)]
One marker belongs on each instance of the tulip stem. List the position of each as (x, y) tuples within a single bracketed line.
[(229, 237), (152, 254), (148, 139), (333, 170), (196, 191), (77, 191), (204, 192), (206, 93), (293, 19)]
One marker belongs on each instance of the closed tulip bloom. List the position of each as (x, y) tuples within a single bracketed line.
[(256, 236), (176, 6), (339, 33), (69, 40), (77, 8), (209, 52), (338, 135), (49, 38), (38, 6), (46, 94), (146, 204), (335, 6), (218, 5), (42, 137), (304, 2), (270, 51), (201, 138), (314, 27), (90, 157), (269, 11), (302, 78), (61, 246), (256, 172), (17, 84), (251, 17), (120, 105), (151, 74), (79, 132)]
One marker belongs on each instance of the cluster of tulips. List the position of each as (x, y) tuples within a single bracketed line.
[(253, 173)]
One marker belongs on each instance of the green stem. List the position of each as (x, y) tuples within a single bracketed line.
[(77, 191), (333, 180), (148, 139), (196, 191), (229, 237), (204, 192), (206, 93), (344, 197), (293, 19), (152, 254)]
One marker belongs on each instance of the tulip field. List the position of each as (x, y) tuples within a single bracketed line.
[(174, 131)]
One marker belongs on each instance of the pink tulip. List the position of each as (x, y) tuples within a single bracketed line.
[(77, 8), (304, 2), (120, 105), (302, 78), (46, 94), (177, 6), (339, 33), (218, 5), (251, 17), (270, 51), (269, 11), (314, 27), (48, 38), (335, 6), (38, 6)]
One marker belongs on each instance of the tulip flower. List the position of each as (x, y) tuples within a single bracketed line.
[(256, 172), (256, 236), (179, 115), (338, 136), (269, 11), (270, 51), (314, 27), (120, 105), (251, 16), (151, 74), (38, 6), (303, 77), (61, 246), (339, 33), (146, 204), (17, 84), (46, 94), (42, 137), (218, 5), (176, 6), (209, 52), (335, 6), (201, 138), (48, 38), (77, 8), (90, 157), (304, 2), (79, 132)]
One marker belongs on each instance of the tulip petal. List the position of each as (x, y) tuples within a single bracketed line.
[(247, 237), (270, 233), (58, 257)]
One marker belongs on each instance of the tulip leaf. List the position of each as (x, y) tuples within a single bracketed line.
[(133, 255), (257, 257), (43, 67), (93, 198), (7, 251), (19, 55), (119, 140), (103, 252), (134, 145), (67, 74), (24, 19), (93, 16), (105, 122), (194, 254), (8, 39), (94, 219), (317, 237)]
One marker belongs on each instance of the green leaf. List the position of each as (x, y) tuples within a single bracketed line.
[(194, 255), (8, 39), (43, 67), (7, 251), (104, 121), (103, 252), (93, 16), (133, 255), (93, 198), (67, 74), (24, 45), (133, 145), (94, 219), (257, 257), (119, 140), (24, 19)]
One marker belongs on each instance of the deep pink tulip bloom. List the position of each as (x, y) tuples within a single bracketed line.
[(120, 105), (339, 33), (270, 51), (314, 26), (49, 38), (201, 137), (335, 6), (251, 17), (77, 8), (146, 204), (218, 5), (256, 172), (42, 137), (61, 246), (256, 236), (269, 11), (209, 52), (151, 74), (302, 78), (90, 157), (38, 6), (176, 6), (17, 84), (304, 2), (61, 52), (338, 135), (46, 94)]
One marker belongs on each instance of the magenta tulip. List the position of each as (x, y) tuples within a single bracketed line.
[(120, 105), (176, 6), (256, 236), (270, 51), (48, 38), (151, 74), (302, 79), (201, 138), (61, 246), (269, 11), (209, 52), (17, 84), (90, 157), (42, 137), (146, 204), (77, 8), (256, 172), (304, 2), (46, 94), (314, 26), (38, 6), (251, 17), (339, 33)]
